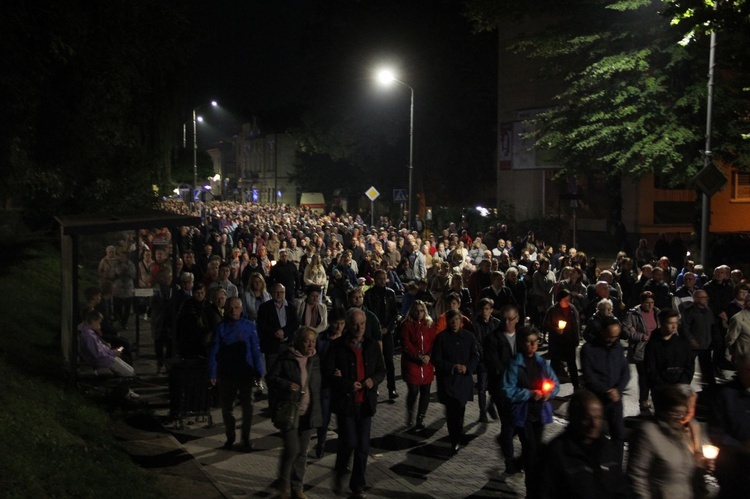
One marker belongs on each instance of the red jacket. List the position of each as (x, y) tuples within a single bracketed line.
[(417, 339)]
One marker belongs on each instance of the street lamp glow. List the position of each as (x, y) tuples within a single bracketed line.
[(386, 77), (196, 119)]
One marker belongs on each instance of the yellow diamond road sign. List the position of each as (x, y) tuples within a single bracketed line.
[(372, 193)]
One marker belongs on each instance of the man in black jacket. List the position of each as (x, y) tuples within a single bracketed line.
[(277, 323), (354, 367), (498, 349), (582, 462), (381, 301), (668, 358), (285, 272), (607, 373)]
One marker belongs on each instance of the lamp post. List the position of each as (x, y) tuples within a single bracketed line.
[(387, 77), (196, 119)]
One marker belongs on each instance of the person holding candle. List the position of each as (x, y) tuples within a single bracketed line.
[(529, 384), (563, 325), (661, 461)]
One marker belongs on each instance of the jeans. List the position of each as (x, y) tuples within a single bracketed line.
[(390, 368), (507, 429), (423, 391), (707, 367), (293, 460), (325, 409), (228, 389), (482, 392), (643, 388), (354, 436), (568, 356)]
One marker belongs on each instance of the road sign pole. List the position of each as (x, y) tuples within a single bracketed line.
[(372, 213)]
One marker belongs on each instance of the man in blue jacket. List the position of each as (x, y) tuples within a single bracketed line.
[(234, 363), (606, 371)]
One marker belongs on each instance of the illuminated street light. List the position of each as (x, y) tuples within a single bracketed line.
[(196, 119), (386, 77)]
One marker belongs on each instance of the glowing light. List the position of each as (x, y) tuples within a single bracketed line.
[(561, 324), (386, 77), (214, 103), (710, 451), (199, 119), (548, 385)]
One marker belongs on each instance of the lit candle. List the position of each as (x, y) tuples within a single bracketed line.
[(548, 385), (561, 325), (710, 451)]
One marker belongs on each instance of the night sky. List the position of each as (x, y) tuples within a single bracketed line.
[(280, 59)]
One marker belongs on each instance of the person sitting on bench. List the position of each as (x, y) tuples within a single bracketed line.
[(99, 355)]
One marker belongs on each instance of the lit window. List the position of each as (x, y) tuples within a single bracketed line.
[(740, 186)]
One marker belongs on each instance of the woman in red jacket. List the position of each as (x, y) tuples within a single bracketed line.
[(417, 335)]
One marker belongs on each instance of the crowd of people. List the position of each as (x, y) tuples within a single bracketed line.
[(314, 309)]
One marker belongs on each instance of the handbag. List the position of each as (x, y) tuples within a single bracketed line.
[(639, 352), (286, 415)]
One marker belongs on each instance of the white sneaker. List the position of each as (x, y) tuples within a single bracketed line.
[(132, 395)]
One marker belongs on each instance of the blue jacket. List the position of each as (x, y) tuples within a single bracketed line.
[(517, 389), (234, 351)]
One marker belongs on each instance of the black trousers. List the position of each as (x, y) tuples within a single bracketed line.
[(567, 355), (454, 413)]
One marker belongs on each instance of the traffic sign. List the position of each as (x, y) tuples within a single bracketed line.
[(372, 193), (399, 195)]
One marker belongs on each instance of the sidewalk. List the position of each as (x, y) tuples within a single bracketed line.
[(402, 463)]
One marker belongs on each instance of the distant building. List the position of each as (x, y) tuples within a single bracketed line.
[(263, 166)]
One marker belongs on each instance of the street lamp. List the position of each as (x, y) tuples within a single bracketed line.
[(387, 77), (196, 119)]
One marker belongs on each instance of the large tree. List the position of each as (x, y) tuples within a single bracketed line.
[(89, 93), (634, 85)]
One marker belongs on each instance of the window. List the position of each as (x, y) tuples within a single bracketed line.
[(740, 186)]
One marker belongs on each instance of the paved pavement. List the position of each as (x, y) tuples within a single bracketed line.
[(403, 463)]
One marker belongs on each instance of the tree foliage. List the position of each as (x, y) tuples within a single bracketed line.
[(90, 92), (634, 82)]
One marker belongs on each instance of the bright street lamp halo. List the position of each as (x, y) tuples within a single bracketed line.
[(386, 76)]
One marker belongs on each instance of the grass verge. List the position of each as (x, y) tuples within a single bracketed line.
[(53, 441)]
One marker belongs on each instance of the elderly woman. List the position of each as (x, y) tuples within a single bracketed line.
[(594, 324), (639, 323), (296, 378), (662, 462), (455, 357)]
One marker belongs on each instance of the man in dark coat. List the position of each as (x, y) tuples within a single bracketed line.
[(498, 350), (354, 367), (455, 357), (563, 341), (607, 373), (381, 301), (698, 324), (582, 462), (277, 323), (285, 272), (668, 358), (729, 429)]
